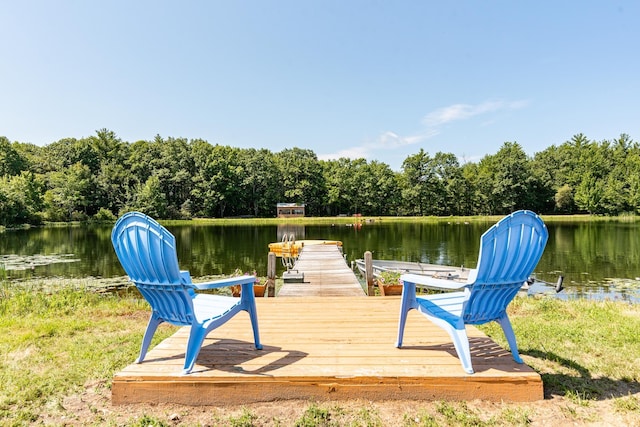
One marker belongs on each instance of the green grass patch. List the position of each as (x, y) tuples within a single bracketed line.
[(315, 416), (395, 219), (53, 343), (245, 419), (627, 404), (583, 349)]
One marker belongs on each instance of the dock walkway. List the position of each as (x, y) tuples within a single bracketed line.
[(326, 274)]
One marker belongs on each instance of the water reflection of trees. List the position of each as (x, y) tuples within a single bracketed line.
[(587, 254), (593, 252)]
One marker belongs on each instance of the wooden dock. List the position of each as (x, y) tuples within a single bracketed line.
[(328, 348), (326, 274)]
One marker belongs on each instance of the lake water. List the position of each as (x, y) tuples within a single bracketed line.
[(597, 259)]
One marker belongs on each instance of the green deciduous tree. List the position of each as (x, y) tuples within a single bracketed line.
[(380, 190), (11, 162), (69, 193), (589, 194), (302, 179), (505, 180), (338, 186), (418, 184), (150, 199), (218, 184), (260, 190), (564, 202), (20, 199)]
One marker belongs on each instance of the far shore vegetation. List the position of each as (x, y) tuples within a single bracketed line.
[(60, 339), (100, 177), (342, 220)]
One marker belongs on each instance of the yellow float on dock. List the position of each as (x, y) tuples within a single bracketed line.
[(292, 248)]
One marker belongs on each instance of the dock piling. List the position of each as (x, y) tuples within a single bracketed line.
[(368, 272), (271, 275)]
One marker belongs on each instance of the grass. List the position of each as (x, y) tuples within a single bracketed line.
[(398, 219), (56, 340), (53, 343), (627, 404), (352, 219), (315, 416), (245, 419), (583, 349)]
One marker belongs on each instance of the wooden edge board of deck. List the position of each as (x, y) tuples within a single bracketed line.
[(199, 393), (326, 349)]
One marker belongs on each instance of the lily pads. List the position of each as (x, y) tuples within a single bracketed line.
[(631, 284), (28, 262)]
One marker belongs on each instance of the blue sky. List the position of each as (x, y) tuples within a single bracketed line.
[(351, 78)]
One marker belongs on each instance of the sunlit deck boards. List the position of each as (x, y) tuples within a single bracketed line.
[(325, 348), (326, 274)]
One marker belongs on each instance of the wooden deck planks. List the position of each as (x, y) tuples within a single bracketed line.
[(326, 274), (325, 348)]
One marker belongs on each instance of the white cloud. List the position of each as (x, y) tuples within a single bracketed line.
[(350, 153), (458, 112), (386, 141), (390, 140)]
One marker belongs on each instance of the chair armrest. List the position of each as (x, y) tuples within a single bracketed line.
[(185, 276), (432, 282), (230, 281)]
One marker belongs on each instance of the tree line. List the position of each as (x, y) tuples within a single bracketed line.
[(101, 177)]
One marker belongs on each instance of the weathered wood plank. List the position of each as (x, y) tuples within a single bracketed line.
[(325, 348)]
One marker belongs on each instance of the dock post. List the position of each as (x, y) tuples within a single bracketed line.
[(368, 273), (271, 275)]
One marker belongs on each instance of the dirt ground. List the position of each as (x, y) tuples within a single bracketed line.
[(93, 407)]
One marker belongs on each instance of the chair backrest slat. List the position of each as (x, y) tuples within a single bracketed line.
[(147, 252), (509, 252)]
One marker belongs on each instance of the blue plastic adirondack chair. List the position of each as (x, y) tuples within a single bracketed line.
[(509, 251), (147, 252)]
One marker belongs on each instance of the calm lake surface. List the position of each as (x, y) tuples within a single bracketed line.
[(597, 259)]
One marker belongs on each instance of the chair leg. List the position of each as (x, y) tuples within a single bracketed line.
[(148, 335), (458, 333), (249, 304), (408, 303), (511, 337), (256, 332), (461, 343), (196, 337)]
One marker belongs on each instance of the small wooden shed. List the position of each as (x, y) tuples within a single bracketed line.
[(290, 210)]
